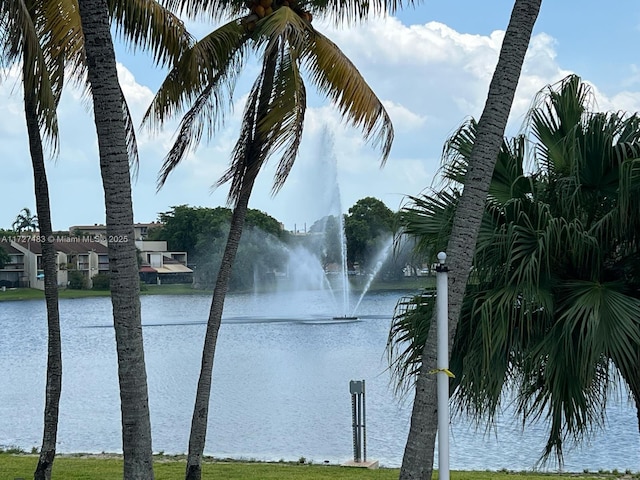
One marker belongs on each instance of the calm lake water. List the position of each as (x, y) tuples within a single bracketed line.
[(281, 385)]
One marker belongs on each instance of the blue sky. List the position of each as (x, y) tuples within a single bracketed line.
[(431, 66)]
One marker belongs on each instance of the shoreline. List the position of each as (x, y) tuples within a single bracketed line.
[(20, 294)]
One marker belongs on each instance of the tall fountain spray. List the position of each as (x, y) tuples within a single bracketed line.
[(334, 201), (305, 266)]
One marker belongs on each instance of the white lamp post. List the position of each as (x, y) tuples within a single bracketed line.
[(442, 309)]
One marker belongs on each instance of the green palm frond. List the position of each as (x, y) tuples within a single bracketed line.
[(253, 146), (556, 111), (284, 24), (338, 78), (213, 62), (349, 12), (429, 220), (207, 9), (283, 34), (407, 336), (23, 38), (607, 319), (457, 152), (147, 24), (203, 80), (341, 11)]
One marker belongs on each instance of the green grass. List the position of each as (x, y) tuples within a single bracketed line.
[(35, 294), (168, 468), (76, 467)]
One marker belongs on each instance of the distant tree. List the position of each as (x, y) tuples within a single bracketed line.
[(25, 221), (192, 229), (183, 226), (264, 222), (368, 225), (6, 234), (76, 280), (4, 257), (101, 281), (202, 231)]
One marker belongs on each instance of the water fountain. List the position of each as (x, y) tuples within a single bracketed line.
[(306, 270)]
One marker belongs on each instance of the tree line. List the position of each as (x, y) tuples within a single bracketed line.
[(265, 247)]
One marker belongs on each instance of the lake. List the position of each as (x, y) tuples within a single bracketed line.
[(281, 385)]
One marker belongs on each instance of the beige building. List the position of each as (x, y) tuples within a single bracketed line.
[(160, 265), (88, 258)]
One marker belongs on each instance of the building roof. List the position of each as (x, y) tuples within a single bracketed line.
[(169, 266), (179, 268), (10, 249), (68, 247)]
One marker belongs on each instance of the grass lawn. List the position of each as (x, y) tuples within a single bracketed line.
[(171, 468), (35, 294)]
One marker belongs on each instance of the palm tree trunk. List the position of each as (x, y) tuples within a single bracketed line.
[(54, 350), (197, 436), (123, 267), (200, 417), (417, 462)]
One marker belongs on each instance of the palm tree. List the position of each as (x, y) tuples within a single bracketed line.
[(417, 462), (273, 120), (47, 37), (24, 39), (125, 283), (25, 221), (553, 308)]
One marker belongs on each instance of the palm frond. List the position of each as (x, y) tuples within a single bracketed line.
[(345, 12), (429, 219), (212, 65), (407, 335), (130, 131), (203, 79), (24, 39), (252, 148), (217, 10), (338, 78), (284, 35), (148, 25)]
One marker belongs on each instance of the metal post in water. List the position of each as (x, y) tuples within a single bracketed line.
[(364, 426), (442, 309), (354, 424), (356, 388)]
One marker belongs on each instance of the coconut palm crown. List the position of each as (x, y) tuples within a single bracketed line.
[(203, 82)]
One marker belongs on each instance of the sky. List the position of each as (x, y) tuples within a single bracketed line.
[(430, 65)]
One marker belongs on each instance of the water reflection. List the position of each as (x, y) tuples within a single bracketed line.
[(280, 384)]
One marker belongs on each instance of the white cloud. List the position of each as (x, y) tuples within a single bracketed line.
[(429, 77)]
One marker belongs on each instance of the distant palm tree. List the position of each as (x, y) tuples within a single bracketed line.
[(282, 33), (25, 221)]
